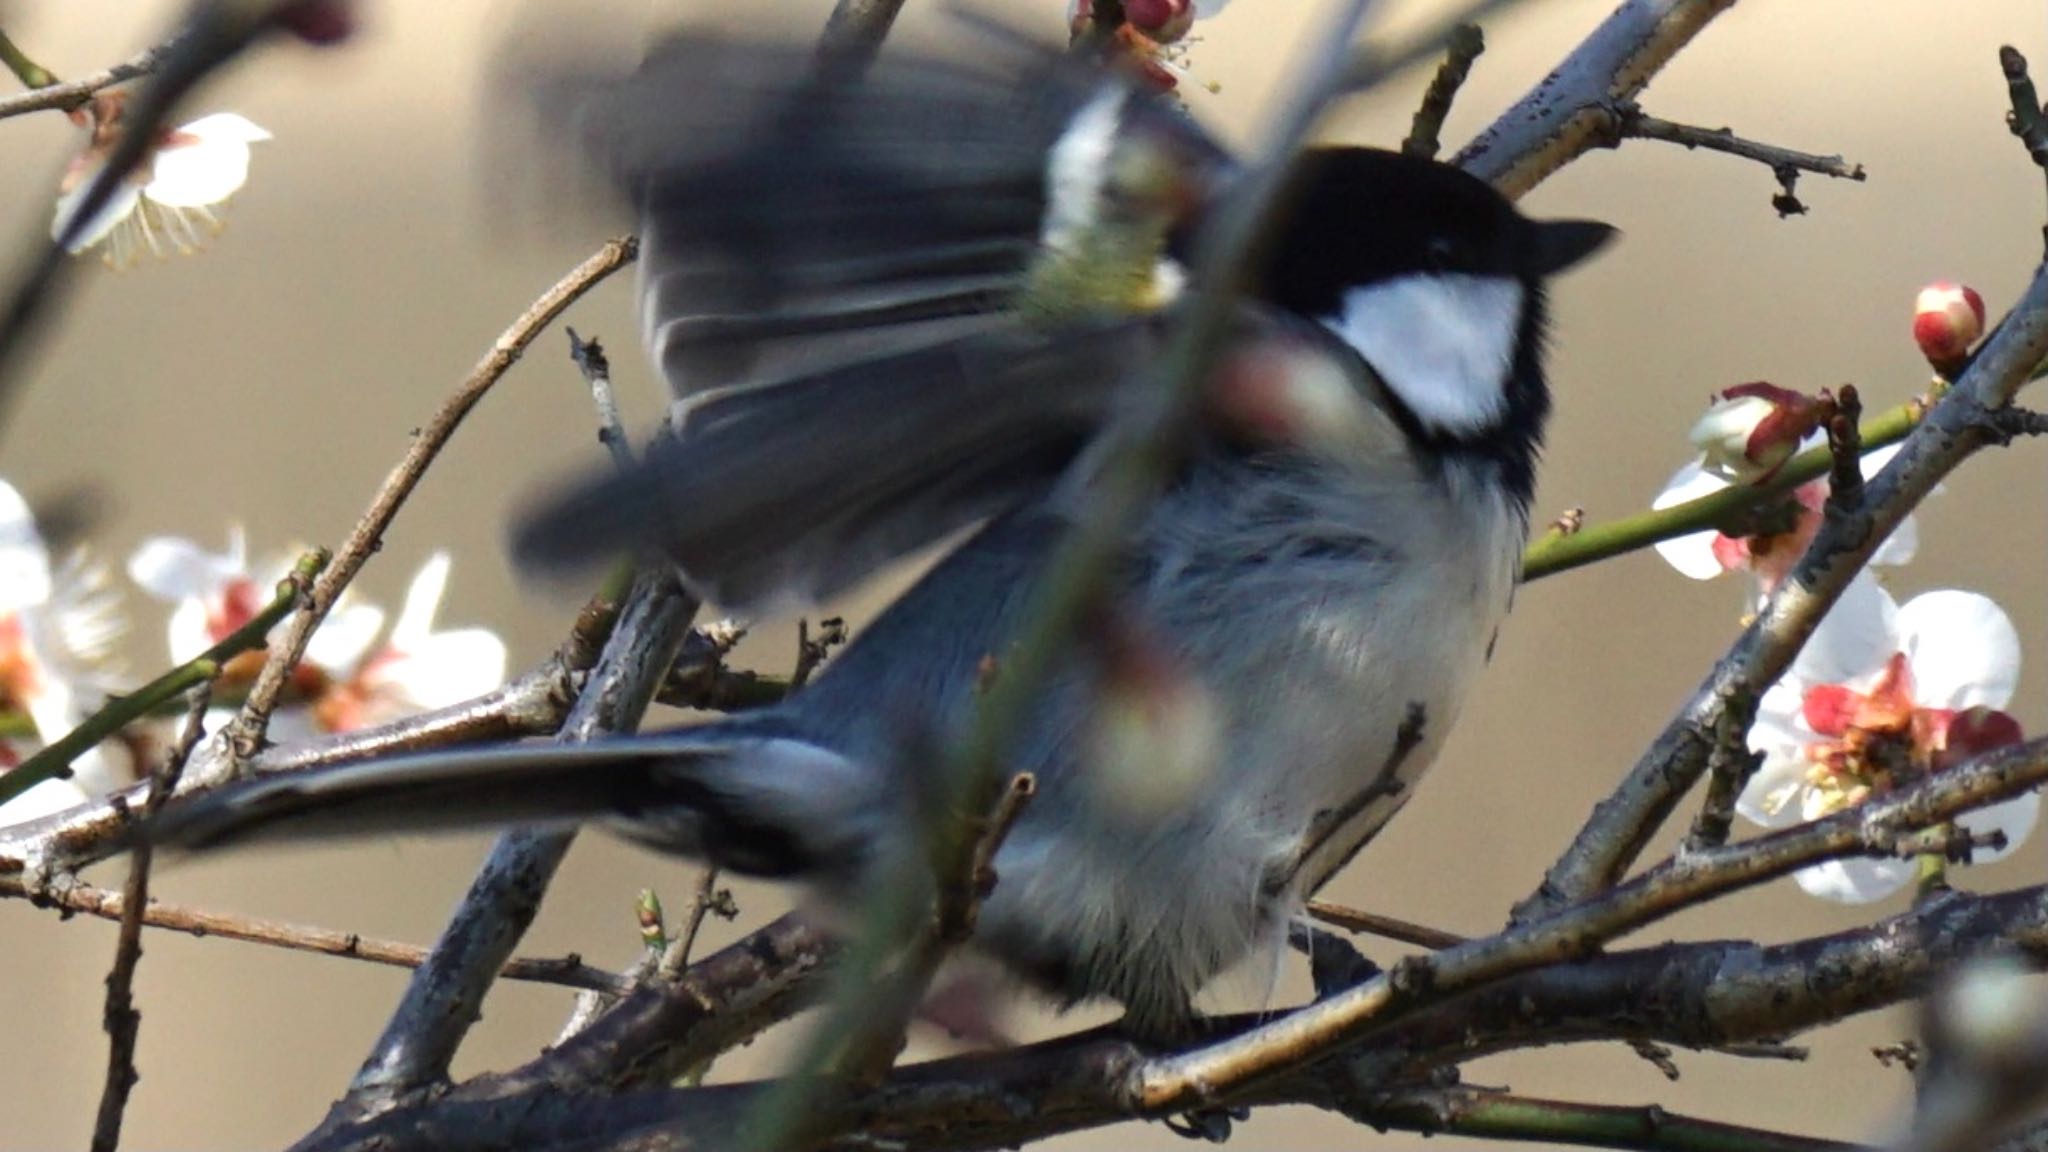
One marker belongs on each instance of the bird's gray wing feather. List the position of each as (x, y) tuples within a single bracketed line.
[(801, 488), (781, 204)]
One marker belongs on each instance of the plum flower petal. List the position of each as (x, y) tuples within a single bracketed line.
[(166, 203), (1692, 554), (1964, 650), (1858, 634), (207, 162), (1855, 881), (433, 668), (417, 668), (45, 799), (345, 636), (1705, 555)]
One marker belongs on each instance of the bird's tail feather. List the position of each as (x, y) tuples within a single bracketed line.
[(761, 806)]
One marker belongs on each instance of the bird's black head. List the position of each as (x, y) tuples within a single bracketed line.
[(1437, 281)]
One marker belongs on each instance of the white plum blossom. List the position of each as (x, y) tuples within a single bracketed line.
[(346, 680), (167, 202), (417, 669), (1705, 555), (1883, 695), (58, 628)]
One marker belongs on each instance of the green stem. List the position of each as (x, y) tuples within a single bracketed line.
[(54, 762), (1503, 1117), (29, 72), (1561, 552)]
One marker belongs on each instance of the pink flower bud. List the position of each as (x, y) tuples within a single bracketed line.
[(1164, 21), (1947, 319), (1749, 433)]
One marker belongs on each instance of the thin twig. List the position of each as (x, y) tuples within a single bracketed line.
[(30, 73), (120, 1018), (810, 653), (708, 898), (71, 94), (1730, 766), (1632, 123), (2027, 119), (1374, 924), (246, 732), (1556, 552), (597, 373), (77, 897), (1845, 451), (1485, 1115), (1424, 133)]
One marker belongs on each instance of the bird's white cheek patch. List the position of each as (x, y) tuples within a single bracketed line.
[(1444, 343)]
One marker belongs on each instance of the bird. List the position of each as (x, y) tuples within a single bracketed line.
[(919, 306)]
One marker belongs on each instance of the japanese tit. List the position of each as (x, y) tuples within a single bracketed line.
[(895, 307)]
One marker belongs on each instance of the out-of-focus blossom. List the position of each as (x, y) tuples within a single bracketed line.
[(1147, 40), (1882, 696), (318, 22), (1156, 735), (1749, 432), (58, 628), (347, 680), (166, 204), (1947, 319), (417, 669), (1705, 555)]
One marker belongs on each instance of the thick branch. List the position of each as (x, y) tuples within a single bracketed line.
[(1876, 827), (1562, 116), (1712, 994), (446, 993)]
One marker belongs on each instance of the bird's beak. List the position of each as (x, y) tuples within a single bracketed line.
[(1556, 245)]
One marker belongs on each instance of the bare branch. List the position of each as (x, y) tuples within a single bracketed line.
[(1485, 1115), (446, 992), (120, 1018), (1562, 116), (246, 733), (1371, 923), (1632, 123), (567, 971), (1466, 44), (70, 94), (597, 373)]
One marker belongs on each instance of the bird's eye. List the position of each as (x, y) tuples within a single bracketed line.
[(1442, 254)]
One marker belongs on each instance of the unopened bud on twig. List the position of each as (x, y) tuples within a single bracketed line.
[(1947, 319), (1749, 433)]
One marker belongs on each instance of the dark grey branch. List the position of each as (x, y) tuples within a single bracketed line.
[(446, 993)]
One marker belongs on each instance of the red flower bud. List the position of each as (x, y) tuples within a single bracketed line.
[(1947, 319), (1165, 21), (1749, 433)]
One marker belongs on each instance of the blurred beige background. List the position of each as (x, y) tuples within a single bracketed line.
[(274, 379)]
